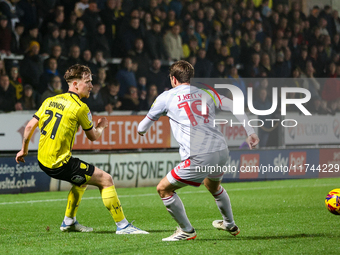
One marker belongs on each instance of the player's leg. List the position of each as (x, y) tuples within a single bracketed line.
[(111, 201), (175, 207), (223, 203), (73, 200)]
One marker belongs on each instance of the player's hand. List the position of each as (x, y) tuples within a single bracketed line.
[(20, 156), (252, 141), (103, 122)]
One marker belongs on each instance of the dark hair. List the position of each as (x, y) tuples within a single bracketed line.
[(182, 71), (114, 82), (76, 72)]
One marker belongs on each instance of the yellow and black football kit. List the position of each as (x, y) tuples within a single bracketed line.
[(59, 119)]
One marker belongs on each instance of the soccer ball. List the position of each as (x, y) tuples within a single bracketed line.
[(332, 201)]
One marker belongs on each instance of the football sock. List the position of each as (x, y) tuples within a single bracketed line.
[(176, 209), (112, 203), (73, 200), (223, 204)]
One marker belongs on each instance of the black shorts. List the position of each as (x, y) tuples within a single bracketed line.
[(75, 171)]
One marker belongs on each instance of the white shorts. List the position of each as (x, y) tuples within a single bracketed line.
[(194, 170)]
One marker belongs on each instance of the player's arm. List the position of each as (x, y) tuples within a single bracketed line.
[(158, 108), (29, 130), (85, 120), (94, 133), (227, 105)]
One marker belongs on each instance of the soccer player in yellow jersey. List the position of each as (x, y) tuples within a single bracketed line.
[(58, 119)]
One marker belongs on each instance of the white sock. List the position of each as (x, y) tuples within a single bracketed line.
[(176, 209), (69, 221), (122, 224), (223, 203)]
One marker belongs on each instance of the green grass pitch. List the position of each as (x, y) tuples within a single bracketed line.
[(275, 217)]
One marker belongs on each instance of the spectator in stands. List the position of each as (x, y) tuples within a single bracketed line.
[(70, 38), (16, 46), (218, 70), (335, 22), (318, 106), (86, 60), (126, 77), (111, 20), (74, 56), (50, 40), (148, 98), (61, 60), (265, 66), (32, 65), (141, 84), (262, 102), (91, 18), (5, 35), (29, 99), (7, 94), (54, 88), (130, 101), (296, 81), (173, 43), (102, 77), (33, 35), (16, 81), (81, 35), (191, 48), (140, 56), (95, 101), (214, 50), (99, 59), (322, 24), (80, 7), (156, 76), (203, 65), (331, 88), (287, 63), (130, 35), (100, 42), (237, 80), (253, 69), (50, 71), (154, 42), (301, 61), (29, 15), (9, 10), (267, 48), (110, 95), (310, 82)]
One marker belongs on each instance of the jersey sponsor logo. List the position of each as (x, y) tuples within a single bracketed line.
[(77, 179), (89, 116)]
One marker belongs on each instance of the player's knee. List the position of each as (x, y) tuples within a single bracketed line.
[(107, 179), (212, 188), (161, 190)]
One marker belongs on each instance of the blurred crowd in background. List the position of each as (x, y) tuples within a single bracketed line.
[(233, 39)]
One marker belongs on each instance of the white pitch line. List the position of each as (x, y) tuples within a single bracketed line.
[(184, 192)]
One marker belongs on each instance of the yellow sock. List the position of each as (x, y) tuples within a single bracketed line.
[(112, 203), (73, 200)]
